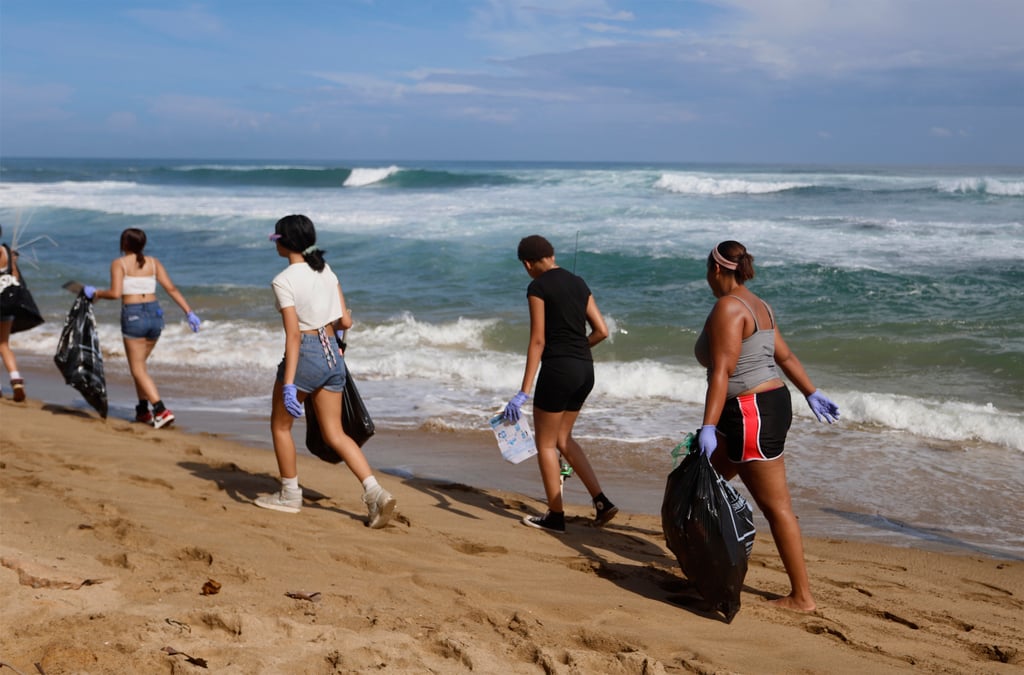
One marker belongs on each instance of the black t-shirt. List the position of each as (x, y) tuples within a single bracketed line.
[(565, 297)]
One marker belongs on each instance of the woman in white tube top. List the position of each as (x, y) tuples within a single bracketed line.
[(133, 280)]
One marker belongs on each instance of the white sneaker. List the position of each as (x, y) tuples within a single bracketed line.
[(278, 502), (380, 505)]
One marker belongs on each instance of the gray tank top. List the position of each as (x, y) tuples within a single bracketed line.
[(756, 363)]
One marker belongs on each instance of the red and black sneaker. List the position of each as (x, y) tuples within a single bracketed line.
[(162, 419)]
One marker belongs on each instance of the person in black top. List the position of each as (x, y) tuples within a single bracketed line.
[(561, 307)]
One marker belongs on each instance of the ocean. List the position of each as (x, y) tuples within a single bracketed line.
[(900, 289)]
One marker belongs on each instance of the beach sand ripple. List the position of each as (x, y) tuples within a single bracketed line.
[(111, 532)]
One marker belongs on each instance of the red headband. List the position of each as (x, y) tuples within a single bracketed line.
[(722, 260)]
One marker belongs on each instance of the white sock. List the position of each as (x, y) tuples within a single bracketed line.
[(371, 484), (290, 485), (15, 375)]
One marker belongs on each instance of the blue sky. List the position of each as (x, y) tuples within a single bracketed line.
[(794, 81)]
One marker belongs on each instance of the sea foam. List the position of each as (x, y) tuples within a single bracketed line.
[(364, 177), (704, 185)]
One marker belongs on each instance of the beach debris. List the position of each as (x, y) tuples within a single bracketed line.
[(194, 660), (211, 587), (174, 622), (40, 576), (4, 664), (299, 595)]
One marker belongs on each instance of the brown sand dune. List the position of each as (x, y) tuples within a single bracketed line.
[(128, 550)]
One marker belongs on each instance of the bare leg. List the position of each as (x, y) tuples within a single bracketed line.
[(138, 350), (548, 426), (281, 432), (5, 347), (574, 454), (328, 414), (767, 484)]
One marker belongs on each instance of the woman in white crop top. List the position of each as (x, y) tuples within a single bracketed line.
[(133, 280), (312, 307), (747, 406)]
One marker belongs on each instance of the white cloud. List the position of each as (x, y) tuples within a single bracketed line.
[(445, 88), (487, 114), (829, 36), (940, 132), (366, 86)]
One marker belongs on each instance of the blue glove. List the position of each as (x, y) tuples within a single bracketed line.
[(193, 321), (512, 412), (89, 291), (708, 439), (824, 409), (291, 400)]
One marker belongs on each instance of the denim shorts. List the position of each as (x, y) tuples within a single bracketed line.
[(313, 371), (142, 320)]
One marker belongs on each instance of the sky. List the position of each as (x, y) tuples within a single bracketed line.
[(892, 82)]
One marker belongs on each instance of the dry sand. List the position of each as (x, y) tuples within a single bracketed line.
[(111, 531)]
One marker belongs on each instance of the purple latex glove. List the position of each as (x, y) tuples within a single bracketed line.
[(824, 409), (291, 400), (512, 412), (193, 321), (89, 291), (708, 440)]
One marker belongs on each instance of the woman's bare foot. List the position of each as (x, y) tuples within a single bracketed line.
[(790, 602)]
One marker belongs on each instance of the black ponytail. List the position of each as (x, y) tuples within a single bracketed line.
[(298, 234)]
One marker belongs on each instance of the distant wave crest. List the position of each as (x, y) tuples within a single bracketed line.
[(703, 185), (989, 186), (364, 177)]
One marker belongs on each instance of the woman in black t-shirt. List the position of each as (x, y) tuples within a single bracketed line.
[(561, 308)]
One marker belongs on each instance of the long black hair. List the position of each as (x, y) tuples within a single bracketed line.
[(298, 234)]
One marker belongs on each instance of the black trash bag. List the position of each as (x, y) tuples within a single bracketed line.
[(710, 529), (355, 420), (16, 300), (79, 357)]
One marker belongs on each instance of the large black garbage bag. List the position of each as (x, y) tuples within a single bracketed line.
[(17, 301), (79, 357), (710, 529), (355, 420)]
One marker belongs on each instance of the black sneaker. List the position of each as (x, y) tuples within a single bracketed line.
[(605, 511), (551, 521)]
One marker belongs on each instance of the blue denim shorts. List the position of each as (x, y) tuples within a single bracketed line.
[(142, 320), (313, 371)]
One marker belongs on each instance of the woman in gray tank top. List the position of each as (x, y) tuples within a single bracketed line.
[(747, 408)]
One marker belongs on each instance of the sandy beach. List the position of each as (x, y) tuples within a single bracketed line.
[(126, 549)]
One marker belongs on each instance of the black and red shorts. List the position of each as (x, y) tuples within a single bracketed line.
[(755, 425)]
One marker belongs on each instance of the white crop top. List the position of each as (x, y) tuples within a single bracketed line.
[(138, 285), (314, 295)]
